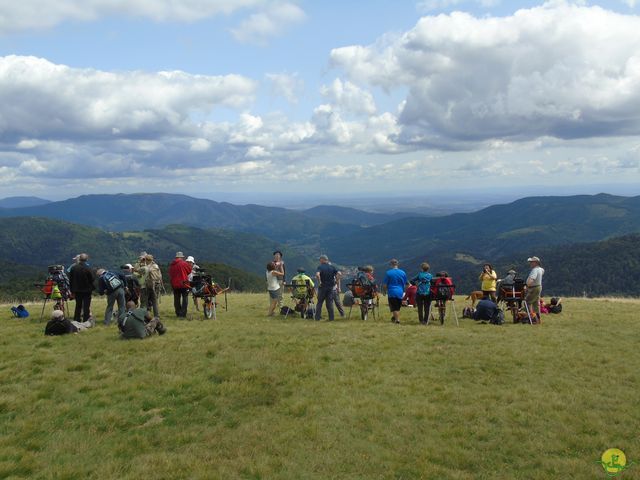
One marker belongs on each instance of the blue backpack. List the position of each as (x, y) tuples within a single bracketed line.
[(20, 311)]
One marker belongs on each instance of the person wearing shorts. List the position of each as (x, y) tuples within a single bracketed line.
[(395, 282)]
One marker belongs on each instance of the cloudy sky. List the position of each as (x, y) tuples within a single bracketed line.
[(333, 97)]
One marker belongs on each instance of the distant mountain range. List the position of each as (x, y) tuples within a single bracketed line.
[(122, 212), (120, 226), (18, 202)]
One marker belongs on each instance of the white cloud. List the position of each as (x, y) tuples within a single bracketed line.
[(286, 85), (39, 99), (560, 70), (258, 28), (33, 14), (430, 5), (349, 97)]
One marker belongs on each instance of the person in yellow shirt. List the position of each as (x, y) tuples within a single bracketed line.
[(301, 287), (488, 279)]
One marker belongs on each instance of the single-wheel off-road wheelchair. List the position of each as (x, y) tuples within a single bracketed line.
[(442, 291), (57, 288), (366, 296), (302, 294), (202, 286), (513, 295)]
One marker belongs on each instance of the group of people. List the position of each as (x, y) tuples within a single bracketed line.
[(419, 291), (135, 289)]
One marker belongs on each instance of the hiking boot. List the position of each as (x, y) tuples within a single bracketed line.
[(161, 329)]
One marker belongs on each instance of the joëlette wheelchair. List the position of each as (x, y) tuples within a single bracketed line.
[(366, 296)]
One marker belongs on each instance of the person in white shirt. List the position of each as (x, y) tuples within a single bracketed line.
[(534, 284)]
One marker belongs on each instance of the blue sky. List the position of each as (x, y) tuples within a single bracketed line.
[(206, 96)]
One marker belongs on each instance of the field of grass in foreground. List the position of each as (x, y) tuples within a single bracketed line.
[(251, 397)]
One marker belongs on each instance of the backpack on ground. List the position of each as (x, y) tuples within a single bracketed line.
[(112, 281), (556, 305), (20, 311)]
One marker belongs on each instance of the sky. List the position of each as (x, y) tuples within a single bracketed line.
[(262, 99)]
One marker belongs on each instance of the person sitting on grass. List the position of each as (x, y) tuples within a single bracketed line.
[(273, 286), (59, 325), (138, 323), (409, 298)]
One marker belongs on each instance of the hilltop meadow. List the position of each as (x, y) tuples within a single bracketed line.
[(251, 397)]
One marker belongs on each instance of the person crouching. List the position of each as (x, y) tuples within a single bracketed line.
[(139, 323)]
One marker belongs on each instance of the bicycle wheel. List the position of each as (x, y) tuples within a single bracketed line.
[(442, 309), (208, 307)]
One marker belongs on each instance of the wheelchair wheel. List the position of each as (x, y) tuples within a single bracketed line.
[(442, 309), (209, 307)]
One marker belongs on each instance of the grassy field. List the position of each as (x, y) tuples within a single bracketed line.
[(252, 397)]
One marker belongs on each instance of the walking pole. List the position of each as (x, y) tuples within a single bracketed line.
[(429, 312), (455, 314), (43, 305)]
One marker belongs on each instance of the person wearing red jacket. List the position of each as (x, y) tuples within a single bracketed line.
[(179, 271)]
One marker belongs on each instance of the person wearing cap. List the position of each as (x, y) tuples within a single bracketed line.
[(534, 284), (113, 284), (179, 271), (82, 284), (194, 270), (395, 282), (326, 275)]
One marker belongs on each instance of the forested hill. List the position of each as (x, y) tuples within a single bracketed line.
[(609, 267), (41, 242), (523, 225)]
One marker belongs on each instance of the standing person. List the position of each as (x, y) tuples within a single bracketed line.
[(113, 284), (327, 275), (131, 284), (534, 284), (395, 281), (488, 279), (150, 278), (179, 271), (423, 296), (82, 281), (273, 286), (279, 266), (336, 298), (194, 269)]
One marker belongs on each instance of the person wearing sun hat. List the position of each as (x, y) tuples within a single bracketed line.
[(534, 284), (179, 271)]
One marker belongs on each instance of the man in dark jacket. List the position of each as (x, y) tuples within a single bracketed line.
[(82, 281), (486, 310), (179, 271)]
